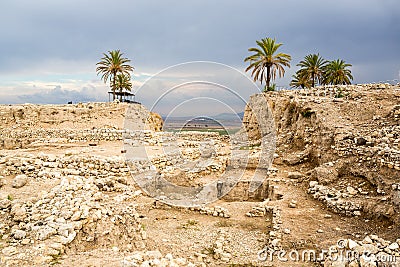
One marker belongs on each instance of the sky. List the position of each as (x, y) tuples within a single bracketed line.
[(49, 48)]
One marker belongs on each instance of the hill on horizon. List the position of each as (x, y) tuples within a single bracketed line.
[(221, 116)]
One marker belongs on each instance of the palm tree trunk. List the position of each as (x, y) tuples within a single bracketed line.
[(268, 76), (113, 85), (313, 80)]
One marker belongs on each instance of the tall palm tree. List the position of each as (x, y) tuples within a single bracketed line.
[(301, 79), (111, 65), (313, 66), (336, 72), (265, 57), (122, 82)]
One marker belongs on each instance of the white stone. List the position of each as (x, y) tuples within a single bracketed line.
[(357, 213), (45, 232), (9, 251), (19, 234), (226, 255), (52, 252), (393, 246), (275, 242), (18, 212), (169, 256), (367, 240), (19, 181), (25, 241), (76, 216), (351, 244), (351, 190)]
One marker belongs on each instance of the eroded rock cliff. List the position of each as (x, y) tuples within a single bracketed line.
[(346, 138)]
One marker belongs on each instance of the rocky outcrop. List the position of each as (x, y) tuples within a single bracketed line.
[(258, 131), (77, 116), (347, 137), (155, 121), (24, 125), (257, 118)]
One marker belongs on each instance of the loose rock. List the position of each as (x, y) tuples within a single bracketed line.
[(19, 181)]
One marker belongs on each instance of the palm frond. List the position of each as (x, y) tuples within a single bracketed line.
[(265, 58), (337, 72), (111, 64)]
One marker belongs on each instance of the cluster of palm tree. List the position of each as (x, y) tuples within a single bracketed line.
[(266, 61), (314, 69), (116, 69)]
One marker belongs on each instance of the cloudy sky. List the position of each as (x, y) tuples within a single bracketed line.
[(49, 48)]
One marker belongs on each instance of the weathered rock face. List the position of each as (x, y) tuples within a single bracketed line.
[(347, 137), (155, 121), (259, 130), (23, 125), (137, 117), (78, 116), (257, 117)]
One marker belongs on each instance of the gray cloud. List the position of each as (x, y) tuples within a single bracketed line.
[(46, 37), (58, 95), (190, 86)]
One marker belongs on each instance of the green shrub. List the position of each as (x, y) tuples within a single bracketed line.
[(271, 88), (339, 93)]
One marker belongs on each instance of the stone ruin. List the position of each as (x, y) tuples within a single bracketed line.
[(70, 162), (72, 177)]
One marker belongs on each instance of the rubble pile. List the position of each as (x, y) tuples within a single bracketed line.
[(39, 228), (371, 251), (336, 200), (216, 211), (154, 258)]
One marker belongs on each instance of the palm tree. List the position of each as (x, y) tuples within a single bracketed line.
[(122, 82), (313, 67), (336, 72), (301, 79), (265, 58), (111, 65)]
